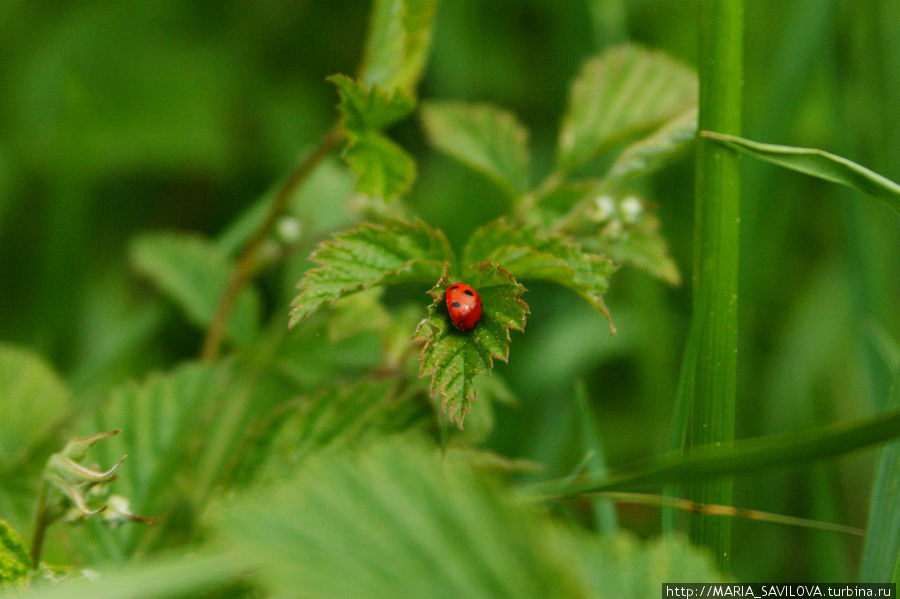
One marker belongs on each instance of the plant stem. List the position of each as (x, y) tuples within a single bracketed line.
[(716, 226), (41, 522), (246, 261)]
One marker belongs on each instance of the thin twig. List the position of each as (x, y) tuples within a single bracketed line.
[(244, 267)]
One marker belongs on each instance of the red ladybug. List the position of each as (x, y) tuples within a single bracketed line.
[(464, 305)]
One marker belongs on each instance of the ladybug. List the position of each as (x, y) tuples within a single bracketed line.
[(464, 305)]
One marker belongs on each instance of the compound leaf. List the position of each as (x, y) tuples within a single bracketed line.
[(623, 92), (530, 254), (486, 138), (368, 256), (453, 358)]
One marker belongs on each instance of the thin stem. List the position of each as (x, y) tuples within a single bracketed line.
[(41, 522), (716, 227), (246, 261)]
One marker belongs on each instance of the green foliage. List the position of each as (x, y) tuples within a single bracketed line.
[(35, 401), (14, 561), (398, 43), (816, 163), (384, 169), (656, 150), (452, 357), (624, 92), (488, 139), (530, 254), (433, 527), (365, 108), (193, 273), (368, 256)]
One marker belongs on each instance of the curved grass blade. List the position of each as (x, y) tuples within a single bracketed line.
[(817, 163), (750, 455)]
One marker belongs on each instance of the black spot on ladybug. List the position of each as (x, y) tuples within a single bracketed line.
[(455, 286), (468, 292), (455, 305)]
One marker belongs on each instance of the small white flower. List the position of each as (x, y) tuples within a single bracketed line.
[(630, 208), (289, 230), (604, 207)]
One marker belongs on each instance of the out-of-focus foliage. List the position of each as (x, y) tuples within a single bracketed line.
[(119, 119)]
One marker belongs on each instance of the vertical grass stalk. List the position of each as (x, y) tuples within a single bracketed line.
[(716, 224)]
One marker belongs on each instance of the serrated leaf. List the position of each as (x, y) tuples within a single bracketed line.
[(399, 520), (383, 169), (398, 41), (15, 564), (619, 94), (611, 222), (34, 402), (817, 163), (649, 154), (368, 256), (486, 138), (453, 358), (194, 273), (365, 109), (349, 416), (530, 254), (159, 419)]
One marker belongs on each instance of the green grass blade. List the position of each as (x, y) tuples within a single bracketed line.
[(881, 551), (716, 218), (603, 509), (789, 449), (817, 163)]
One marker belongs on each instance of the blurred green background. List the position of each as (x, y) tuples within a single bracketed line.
[(121, 117)]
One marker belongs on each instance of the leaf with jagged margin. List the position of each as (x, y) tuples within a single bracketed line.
[(159, 419), (398, 42), (619, 94), (34, 402), (453, 357), (194, 273), (817, 163), (400, 520), (383, 169), (483, 137), (368, 256), (342, 417), (369, 108), (655, 151), (616, 224), (531, 254), (14, 561)]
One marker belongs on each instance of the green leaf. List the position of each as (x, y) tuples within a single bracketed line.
[(748, 455), (14, 561), (383, 169), (398, 42), (623, 92), (338, 418), (399, 520), (531, 254), (453, 358), (817, 163), (35, 401), (372, 108), (189, 574), (649, 154), (158, 419), (611, 222), (368, 256), (881, 552), (488, 139), (193, 273)]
